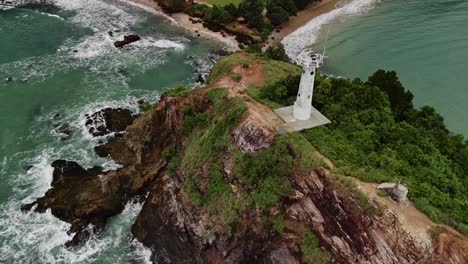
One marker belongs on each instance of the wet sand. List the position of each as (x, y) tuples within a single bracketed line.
[(310, 12), (183, 20)]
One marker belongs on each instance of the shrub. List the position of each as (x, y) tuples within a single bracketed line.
[(283, 92), (252, 10), (193, 191), (192, 121), (219, 16), (378, 140), (277, 53), (277, 15), (232, 10), (198, 10), (146, 107), (178, 90), (311, 251), (173, 166), (278, 11), (236, 77)]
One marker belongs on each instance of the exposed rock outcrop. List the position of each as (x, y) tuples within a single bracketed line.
[(127, 40), (63, 131), (248, 136), (397, 191), (349, 226), (109, 120)]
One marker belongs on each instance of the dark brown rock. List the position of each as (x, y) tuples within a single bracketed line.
[(63, 131), (109, 120), (127, 40)]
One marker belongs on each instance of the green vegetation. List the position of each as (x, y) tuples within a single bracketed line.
[(219, 15), (264, 174), (223, 67), (311, 251), (224, 2), (274, 70), (377, 135), (277, 53), (252, 10), (382, 193), (223, 14), (208, 137), (236, 77), (278, 11), (277, 222), (178, 90), (146, 106)]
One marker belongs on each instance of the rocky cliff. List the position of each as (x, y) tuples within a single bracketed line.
[(219, 185)]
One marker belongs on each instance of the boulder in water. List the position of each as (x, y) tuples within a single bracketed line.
[(200, 79), (54, 116), (79, 196), (63, 131), (109, 120), (127, 40)]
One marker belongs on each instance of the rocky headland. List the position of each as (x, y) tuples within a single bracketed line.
[(220, 185)]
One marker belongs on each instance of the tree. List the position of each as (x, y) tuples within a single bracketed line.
[(401, 101), (300, 4), (252, 10), (278, 11), (277, 53), (277, 15), (232, 10), (219, 16)]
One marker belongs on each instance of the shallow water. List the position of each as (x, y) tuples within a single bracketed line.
[(60, 58), (425, 41)]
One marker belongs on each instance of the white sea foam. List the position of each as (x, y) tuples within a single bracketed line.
[(99, 15), (39, 237), (307, 35), (80, 121), (150, 10), (160, 43), (51, 15), (140, 253)]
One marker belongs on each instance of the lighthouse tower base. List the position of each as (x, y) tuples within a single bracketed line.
[(292, 124)]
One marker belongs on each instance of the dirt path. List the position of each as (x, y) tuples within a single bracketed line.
[(448, 244), (252, 76)]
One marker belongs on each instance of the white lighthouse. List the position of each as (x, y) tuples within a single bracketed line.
[(302, 115), (310, 61)]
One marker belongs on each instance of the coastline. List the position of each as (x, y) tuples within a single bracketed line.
[(183, 20), (311, 11)]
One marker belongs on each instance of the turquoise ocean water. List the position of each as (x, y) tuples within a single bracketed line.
[(60, 58), (425, 41)]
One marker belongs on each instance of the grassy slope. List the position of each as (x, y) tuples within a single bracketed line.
[(274, 70), (264, 174), (365, 141)]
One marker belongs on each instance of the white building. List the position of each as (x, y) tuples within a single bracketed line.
[(302, 115), (310, 61)]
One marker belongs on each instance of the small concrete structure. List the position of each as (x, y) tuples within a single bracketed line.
[(302, 115), (397, 191), (292, 124)]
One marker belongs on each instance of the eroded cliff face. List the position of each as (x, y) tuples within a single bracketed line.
[(347, 224)]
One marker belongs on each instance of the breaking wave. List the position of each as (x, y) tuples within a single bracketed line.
[(39, 237), (307, 35)]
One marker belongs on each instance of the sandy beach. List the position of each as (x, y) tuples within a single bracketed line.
[(310, 12), (183, 20)]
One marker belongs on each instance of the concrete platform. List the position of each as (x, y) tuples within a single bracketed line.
[(291, 124)]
